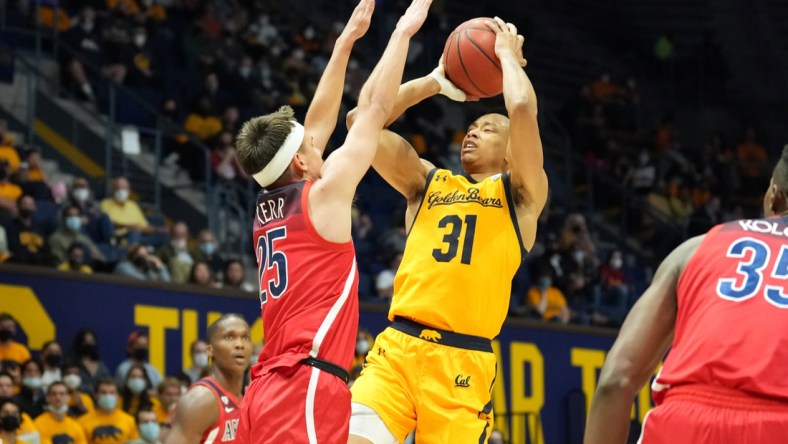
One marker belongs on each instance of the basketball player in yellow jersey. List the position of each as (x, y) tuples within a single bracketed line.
[(433, 369)]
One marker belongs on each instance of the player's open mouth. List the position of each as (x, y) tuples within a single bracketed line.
[(468, 146)]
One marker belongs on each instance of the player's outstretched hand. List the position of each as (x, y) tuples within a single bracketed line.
[(414, 17), (448, 88), (507, 41), (358, 24)]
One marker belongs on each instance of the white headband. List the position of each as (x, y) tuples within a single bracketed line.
[(282, 158)]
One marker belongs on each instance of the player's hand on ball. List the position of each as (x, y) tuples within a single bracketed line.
[(507, 41), (358, 24), (448, 88)]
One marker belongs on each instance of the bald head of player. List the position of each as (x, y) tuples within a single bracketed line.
[(775, 201), (229, 345)]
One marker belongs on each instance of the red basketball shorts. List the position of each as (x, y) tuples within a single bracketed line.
[(300, 404), (710, 414)]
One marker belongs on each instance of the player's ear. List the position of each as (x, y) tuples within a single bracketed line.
[(299, 162)]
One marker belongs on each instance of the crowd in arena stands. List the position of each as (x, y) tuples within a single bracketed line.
[(71, 230), (70, 395)]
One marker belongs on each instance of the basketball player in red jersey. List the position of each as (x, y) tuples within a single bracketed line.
[(209, 411), (308, 277), (720, 301)]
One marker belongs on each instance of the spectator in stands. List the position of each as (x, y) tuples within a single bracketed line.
[(40, 191), (234, 276), (203, 121), (134, 392), (10, 421), (201, 275), (138, 353), (209, 248), (169, 392), (231, 119), (148, 428), (79, 402), (85, 352), (612, 295), (643, 177), (364, 341), (33, 159), (575, 234), (142, 265), (140, 61), (15, 370), (27, 427), (51, 359), (126, 215), (95, 224), (8, 152), (31, 397), (224, 159), (70, 232), (107, 423), (9, 192), (84, 48), (75, 260), (199, 354), (54, 425), (547, 300), (177, 255), (11, 350)]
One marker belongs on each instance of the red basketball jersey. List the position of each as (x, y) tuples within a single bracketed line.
[(225, 428), (308, 285), (732, 321)]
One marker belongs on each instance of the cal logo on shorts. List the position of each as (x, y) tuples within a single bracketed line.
[(430, 335)]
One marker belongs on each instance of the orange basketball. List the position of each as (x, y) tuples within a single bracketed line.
[(470, 60)]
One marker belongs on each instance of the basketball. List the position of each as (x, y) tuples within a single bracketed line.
[(470, 61)]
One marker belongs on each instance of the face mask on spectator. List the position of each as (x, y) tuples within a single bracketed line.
[(200, 360), (54, 359), (32, 382), (208, 248), (5, 334), (107, 402), (10, 423), (545, 283), (140, 354), (245, 71), (74, 223), (139, 40), (59, 411), (121, 194), (136, 385), (579, 255), (26, 213), (616, 263), (87, 26), (81, 194), (72, 381), (309, 33), (362, 347), (149, 431)]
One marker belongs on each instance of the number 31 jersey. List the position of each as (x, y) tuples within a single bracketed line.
[(462, 252), (308, 285), (732, 321)]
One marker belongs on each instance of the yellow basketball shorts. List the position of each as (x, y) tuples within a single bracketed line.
[(435, 382)]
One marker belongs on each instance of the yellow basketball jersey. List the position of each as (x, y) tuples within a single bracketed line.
[(463, 250)]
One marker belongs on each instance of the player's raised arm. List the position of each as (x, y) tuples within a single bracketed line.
[(396, 160), (195, 412), (345, 167), (321, 118), (524, 152), (641, 344)]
